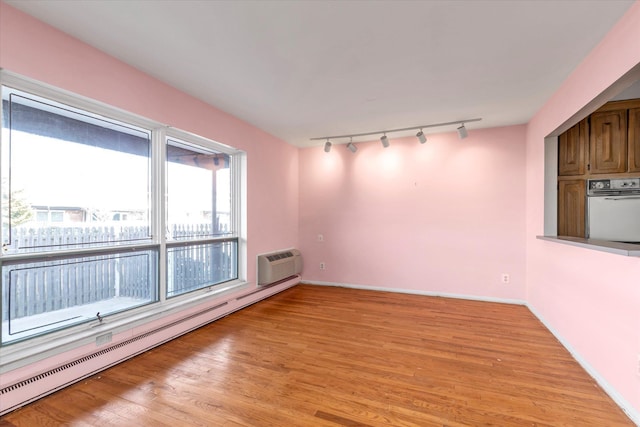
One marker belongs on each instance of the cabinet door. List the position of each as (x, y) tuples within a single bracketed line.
[(572, 150), (571, 207), (608, 142), (634, 140)]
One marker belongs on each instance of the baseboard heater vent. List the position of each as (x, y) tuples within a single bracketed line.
[(104, 351), (29, 389), (277, 266), (72, 364)]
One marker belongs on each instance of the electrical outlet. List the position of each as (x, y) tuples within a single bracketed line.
[(320, 238), (505, 278), (323, 266)]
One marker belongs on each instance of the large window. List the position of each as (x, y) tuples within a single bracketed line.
[(70, 178), (201, 249), (96, 204)]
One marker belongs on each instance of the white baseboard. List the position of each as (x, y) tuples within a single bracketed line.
[(612, 392), (418, 292)]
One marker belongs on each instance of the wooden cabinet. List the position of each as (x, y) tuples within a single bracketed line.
[(634, 140), (608, 142), (604, 145), (572, 150), (571, 207)]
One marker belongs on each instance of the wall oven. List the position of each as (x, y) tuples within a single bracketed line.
[(613, 209)]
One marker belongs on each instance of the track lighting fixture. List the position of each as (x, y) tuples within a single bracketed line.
[(351, 146), (462, 131), (385, 141)]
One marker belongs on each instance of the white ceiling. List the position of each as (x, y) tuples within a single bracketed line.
[(302, 69)]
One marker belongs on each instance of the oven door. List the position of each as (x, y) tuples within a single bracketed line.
[(615, 218)]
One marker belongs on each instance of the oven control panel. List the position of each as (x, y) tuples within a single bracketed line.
[(599, 184), (622, 184)]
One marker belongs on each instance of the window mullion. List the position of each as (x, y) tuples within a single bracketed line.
[(159, 205)]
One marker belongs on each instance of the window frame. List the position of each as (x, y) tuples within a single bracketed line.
[(92, 114), (234, 155), (28, 350)]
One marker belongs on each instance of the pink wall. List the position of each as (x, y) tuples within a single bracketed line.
[(448, 216), (590, 299), (33, 49), (443, 217)]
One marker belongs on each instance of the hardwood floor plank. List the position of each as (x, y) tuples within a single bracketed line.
[(327, 357)]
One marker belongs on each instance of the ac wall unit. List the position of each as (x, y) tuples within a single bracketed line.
[(278, 266)]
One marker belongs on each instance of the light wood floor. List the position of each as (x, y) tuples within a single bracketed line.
[(320, 356)]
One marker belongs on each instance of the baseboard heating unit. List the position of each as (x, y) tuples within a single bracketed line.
[(49, 379), (276, 266)]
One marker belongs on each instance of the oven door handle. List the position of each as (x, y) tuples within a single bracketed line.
[(622, 198)]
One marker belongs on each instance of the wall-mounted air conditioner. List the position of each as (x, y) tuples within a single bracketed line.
[(277, 266)]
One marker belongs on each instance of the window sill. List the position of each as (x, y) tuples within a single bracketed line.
[(618, 248), (19, 354)]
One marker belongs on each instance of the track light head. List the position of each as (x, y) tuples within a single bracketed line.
[(352, 147), (462, 131), (421, 137), (327, 146), (385, 141)]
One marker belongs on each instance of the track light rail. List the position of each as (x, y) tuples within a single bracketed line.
[(394, 130)]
